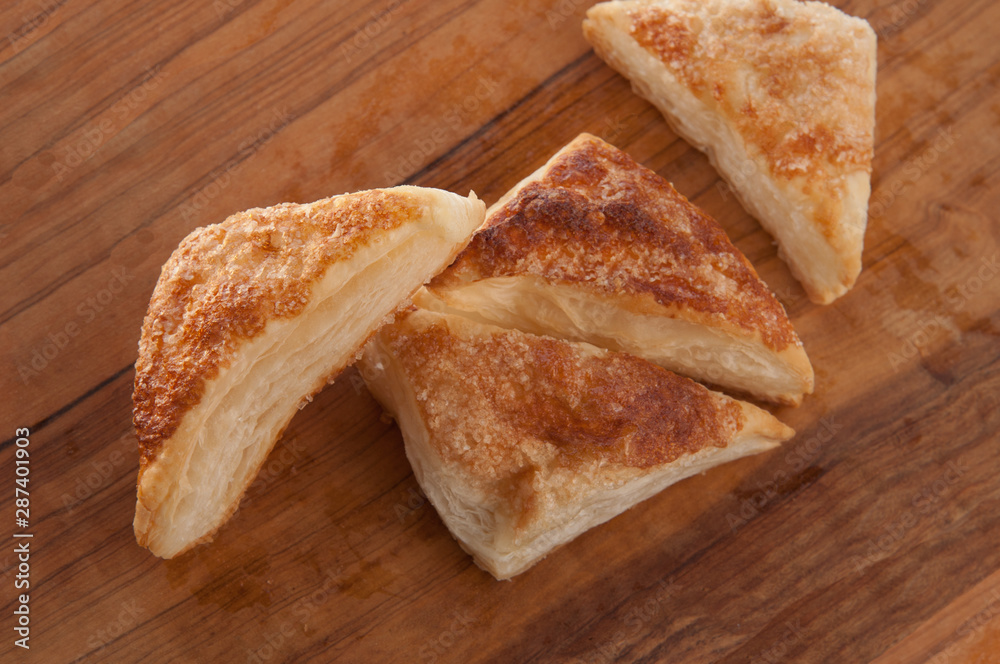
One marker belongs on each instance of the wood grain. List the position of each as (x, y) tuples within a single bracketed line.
[(872, 536)]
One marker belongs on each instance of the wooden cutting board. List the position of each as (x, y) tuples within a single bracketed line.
[(872, 536)]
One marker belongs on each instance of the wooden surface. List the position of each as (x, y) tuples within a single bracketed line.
[(872, 536)]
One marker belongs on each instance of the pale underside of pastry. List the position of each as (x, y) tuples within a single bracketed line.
[(251, 317), (524, 442), (595, 247), (781, 96)]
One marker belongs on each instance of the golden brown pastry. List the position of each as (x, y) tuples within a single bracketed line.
[(251, 317), (523, 442), (595, 247), (781, 95)]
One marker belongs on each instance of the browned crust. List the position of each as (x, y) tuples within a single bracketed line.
[(224, 283), (598, 218), (792, 77), (503, 403)]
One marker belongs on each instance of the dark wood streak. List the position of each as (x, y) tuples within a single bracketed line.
[(48, 419)]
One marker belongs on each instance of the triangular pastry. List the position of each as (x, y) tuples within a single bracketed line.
[(524, 442), (781, 95), (251, 317), (595, 247)]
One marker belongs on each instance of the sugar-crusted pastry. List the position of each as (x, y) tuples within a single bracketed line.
[(252, 316), (595, 247), (523, 442), (781, 95)]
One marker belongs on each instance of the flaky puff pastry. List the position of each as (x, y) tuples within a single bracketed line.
[(523, 442), (595, 247), (781, 96), (252, 316)]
